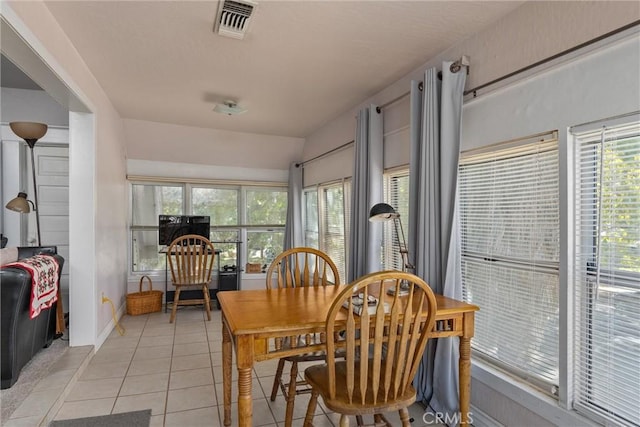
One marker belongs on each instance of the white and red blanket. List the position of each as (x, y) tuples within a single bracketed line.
[(44, 281)]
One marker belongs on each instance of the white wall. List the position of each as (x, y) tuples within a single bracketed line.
[(601, 84), (31, 106), (162, 142), (98, 233), (21, 105), (531, 33)]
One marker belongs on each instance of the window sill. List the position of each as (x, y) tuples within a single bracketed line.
[(526, 396)]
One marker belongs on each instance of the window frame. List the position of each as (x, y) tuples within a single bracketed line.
[(187, 209), (485, 155)]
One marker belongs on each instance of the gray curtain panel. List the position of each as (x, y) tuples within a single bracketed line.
[(293, 233), (365, 237), (435, 149)]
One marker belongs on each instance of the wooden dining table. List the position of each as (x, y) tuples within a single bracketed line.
[(253, 319)]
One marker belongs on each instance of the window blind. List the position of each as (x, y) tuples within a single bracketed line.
[(509, 220), (396, 190), (607, 274), (332, 225)]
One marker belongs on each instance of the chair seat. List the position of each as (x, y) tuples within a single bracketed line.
[(318, 377)]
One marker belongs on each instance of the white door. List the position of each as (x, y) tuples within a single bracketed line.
[(52, 175)]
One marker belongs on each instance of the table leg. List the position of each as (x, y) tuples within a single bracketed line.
[(226, 371), (464, 366), (244, 360)]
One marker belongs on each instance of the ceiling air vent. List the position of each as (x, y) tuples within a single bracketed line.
[(234, 18)]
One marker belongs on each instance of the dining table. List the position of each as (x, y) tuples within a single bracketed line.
[(252, 320)]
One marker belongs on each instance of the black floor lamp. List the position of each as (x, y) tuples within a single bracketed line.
[(386, 212), (31, 132)]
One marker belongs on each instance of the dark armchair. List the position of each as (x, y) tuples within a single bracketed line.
[(23, 337)]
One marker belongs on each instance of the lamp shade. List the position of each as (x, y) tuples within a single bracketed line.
[(382, 212), (19, 204), (29, 130)]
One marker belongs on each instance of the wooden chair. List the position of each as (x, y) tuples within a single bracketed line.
[(383, 345), (293, 268), (190, 259)]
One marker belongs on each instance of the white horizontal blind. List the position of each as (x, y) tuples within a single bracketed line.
[(509, 218), (607, 276), (332, 225), (346, 185), (396, 190), (311, 218)]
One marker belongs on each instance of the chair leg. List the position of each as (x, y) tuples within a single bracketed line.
[(344, 421), (207, 301), (404, 417), (311, 409), (277, 380), (291, 395), (176, 297)]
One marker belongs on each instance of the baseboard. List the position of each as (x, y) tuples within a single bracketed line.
[(482, 419), (110, 327), (66, 390)]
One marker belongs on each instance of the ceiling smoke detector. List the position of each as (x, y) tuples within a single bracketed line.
[(234, 17), (229, 107)]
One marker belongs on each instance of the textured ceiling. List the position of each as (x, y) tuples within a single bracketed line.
[(301, 64)]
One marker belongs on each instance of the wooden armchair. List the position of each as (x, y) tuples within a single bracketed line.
[(190, 259), (383, 345), (293, 268)]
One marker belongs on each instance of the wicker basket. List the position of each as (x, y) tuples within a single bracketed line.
[(253, 268), (144, 302)]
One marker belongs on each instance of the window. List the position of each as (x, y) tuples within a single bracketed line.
[(326, 220), (396, 193), (607, 274), (311, 218), (266, 213), (255, 215), (509, 221), (149, 201)]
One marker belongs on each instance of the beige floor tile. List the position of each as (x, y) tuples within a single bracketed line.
[(194, 361), (37, 403), (266, 368), (188, 349), (120, 342), (216, 359), (202, 417), (167, 330), (154, 401), (113, 355), (142, 384), (191, 398), (95, 389), (190, 378), (155, 341), (105, 370), (85, 408), (152, 366), (154, 352), (184, 338), (157, 421)]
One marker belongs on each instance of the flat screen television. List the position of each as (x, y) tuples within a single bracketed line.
[(170, 227)]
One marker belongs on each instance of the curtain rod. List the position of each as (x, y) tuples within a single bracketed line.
[(326, 153), (455, 67), (551, 58)]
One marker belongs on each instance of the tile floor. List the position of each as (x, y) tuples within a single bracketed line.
[(173, 369)]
